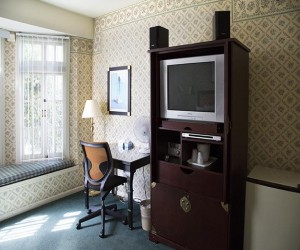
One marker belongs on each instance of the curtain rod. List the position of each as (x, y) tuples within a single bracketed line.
[(38, 35)]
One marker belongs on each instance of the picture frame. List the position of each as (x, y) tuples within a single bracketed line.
[(119, 91)]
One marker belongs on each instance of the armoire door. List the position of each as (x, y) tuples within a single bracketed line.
[(168, 219)]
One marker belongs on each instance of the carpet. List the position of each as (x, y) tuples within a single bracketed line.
[(53, 226)]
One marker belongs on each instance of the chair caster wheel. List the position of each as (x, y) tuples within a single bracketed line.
[(102, 236), (78, 226), (125, 222), (89, 211)]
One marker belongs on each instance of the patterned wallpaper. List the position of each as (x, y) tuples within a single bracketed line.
[(246, 10), (274, 125), (271, 29), (80, 91), (9, 92)]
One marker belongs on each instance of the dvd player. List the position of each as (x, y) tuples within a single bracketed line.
[(203, 137)]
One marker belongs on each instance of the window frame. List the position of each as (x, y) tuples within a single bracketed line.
[(65, 102)]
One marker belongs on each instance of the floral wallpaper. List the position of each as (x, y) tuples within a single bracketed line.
[(80, 91), (245, 10), (271, 29), (10, 106)]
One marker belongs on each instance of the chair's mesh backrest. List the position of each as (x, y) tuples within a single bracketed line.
[(96, 156)]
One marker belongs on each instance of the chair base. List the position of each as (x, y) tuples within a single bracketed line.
[(109, 210)]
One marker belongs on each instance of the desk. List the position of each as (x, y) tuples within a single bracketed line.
[(129, 161)]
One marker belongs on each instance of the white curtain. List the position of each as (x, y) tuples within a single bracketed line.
[(2, 115), (42, 100)]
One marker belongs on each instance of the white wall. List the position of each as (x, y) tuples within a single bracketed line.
[(41, 14), (272, 219)]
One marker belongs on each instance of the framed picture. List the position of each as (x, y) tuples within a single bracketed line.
[(118, 95)]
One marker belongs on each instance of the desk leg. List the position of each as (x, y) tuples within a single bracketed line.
[(130, 199)]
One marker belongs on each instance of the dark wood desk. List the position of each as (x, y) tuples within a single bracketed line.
[(129, 161)]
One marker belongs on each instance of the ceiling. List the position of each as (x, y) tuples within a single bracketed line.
[(89, 8), (92, 8)]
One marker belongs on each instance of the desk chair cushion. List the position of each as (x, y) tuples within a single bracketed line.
[(112, 182)]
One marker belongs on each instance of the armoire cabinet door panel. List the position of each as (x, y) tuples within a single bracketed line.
[(188, 219), (208, 224), (167, 217)]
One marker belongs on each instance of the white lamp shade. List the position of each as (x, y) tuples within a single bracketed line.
[(91, 109)]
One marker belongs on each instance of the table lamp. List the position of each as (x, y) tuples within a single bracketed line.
[(91, 110)]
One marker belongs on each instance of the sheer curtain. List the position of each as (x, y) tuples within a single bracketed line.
[(42, 99), (2, 120)]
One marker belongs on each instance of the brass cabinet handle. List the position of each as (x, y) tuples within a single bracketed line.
[(185, 204)]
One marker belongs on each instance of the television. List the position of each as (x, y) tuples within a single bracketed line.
[(192, 88)]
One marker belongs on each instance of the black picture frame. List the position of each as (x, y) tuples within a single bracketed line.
[(119, 91)]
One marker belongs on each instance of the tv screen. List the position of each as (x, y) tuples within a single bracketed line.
[(191, 87)]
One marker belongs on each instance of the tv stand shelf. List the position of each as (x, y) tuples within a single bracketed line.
[(207, 202)]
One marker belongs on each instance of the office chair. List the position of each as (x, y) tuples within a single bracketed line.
[(99, 176)]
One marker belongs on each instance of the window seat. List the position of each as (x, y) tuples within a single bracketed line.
[(32, 184), (18, 172)]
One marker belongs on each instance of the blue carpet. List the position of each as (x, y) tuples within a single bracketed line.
[(53, 226)]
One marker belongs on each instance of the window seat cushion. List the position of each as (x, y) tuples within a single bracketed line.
[(17, 172)]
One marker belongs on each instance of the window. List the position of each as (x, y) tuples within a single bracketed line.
[(43, 97), (2, 121)]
